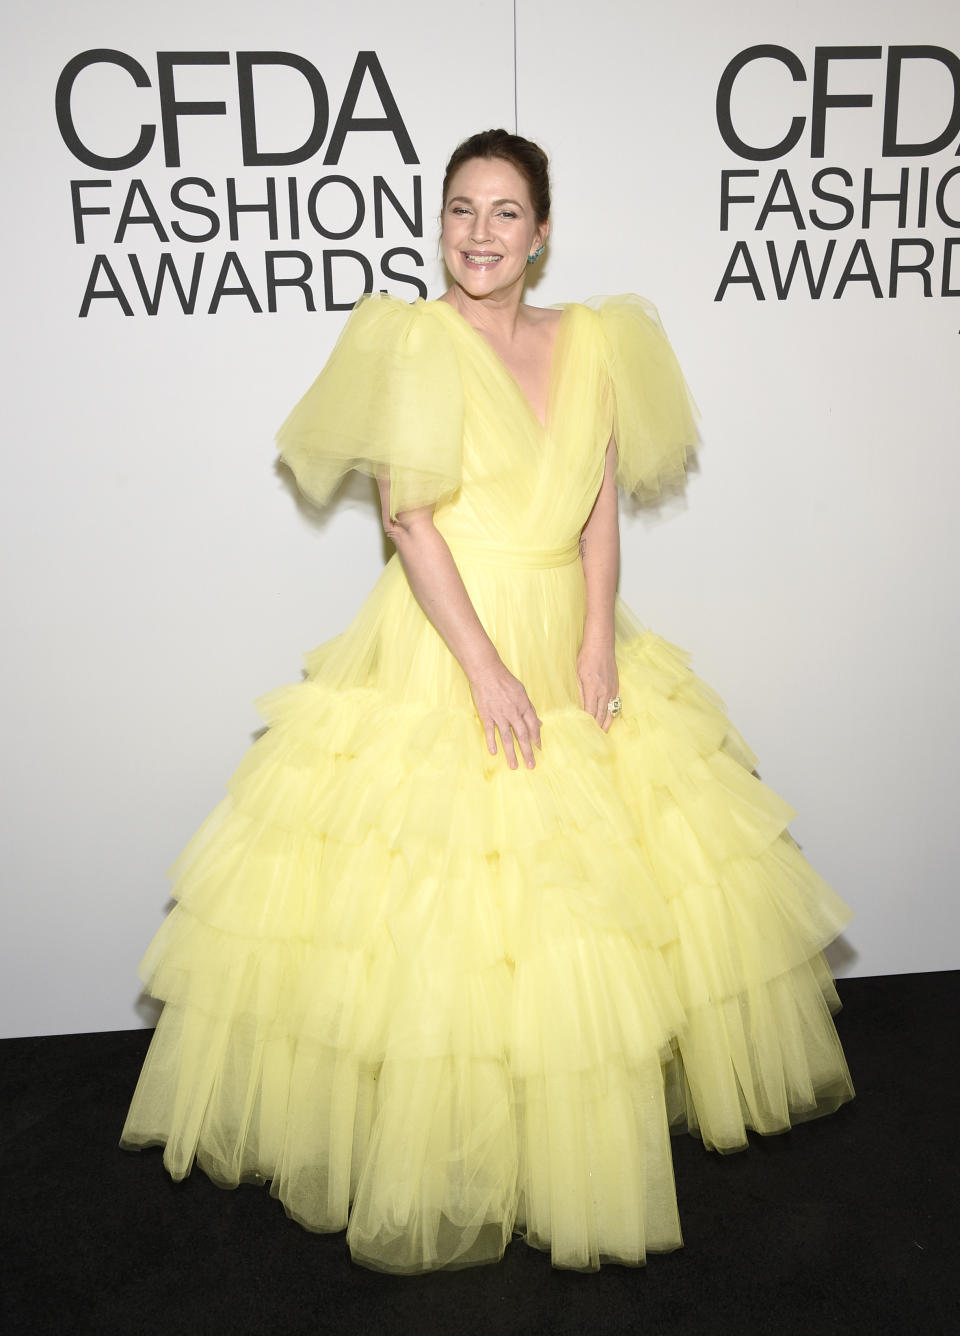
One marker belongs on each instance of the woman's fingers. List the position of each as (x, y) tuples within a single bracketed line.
[(515, 719), (524, 731), (596, 704), (535, 724), (505, 708), (526, 747), (506, 740), (597, 680), (592, 701), (520, 732)]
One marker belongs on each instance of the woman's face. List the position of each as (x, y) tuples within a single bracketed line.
[(489, 228)]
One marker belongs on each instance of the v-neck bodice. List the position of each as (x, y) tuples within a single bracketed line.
[(501, 366), (526, 482)]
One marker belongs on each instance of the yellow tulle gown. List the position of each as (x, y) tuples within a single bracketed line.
[(437, 1001)]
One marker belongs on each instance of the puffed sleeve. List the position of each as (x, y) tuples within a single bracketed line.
[(654, 415), (388, 402)]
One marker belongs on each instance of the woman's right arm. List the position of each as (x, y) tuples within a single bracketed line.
[(501, 699)]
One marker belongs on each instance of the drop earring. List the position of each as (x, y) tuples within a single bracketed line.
[(532, 259)]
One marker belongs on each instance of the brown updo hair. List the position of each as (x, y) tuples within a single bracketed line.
[(528, 158)]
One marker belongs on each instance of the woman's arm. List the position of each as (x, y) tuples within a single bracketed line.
[(600, 554), (501, 699)]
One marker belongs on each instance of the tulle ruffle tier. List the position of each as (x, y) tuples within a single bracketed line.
[(436, 1001)]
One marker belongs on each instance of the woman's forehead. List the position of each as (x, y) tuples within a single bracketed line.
[(489, 178)]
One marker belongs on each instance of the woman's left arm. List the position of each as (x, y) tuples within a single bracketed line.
[(600, 554)]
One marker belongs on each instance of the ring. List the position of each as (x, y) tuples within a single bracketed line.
[(615, 706)]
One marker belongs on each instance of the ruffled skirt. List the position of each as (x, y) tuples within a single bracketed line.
[(437, 1002)]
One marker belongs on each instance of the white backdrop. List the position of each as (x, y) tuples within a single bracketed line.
[(162, 572)]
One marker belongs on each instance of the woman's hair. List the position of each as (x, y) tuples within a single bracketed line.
[(528, 158)]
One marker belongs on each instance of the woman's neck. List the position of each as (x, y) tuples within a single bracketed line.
[(497, 314)]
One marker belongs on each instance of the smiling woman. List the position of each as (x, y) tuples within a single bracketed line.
[(434, 995), (496, 220), (507, 197)]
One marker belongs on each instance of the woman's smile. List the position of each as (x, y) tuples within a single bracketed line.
[(481, 259)]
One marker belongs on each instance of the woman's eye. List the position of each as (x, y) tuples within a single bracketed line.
[(507, 213)]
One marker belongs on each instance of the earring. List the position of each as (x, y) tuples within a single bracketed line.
[(532, 259)]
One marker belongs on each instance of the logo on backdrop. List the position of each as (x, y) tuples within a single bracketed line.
[(183, 245), (887, 227)]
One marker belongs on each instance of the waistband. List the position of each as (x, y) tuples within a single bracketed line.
[(501, 555)]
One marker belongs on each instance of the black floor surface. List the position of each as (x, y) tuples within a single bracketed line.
[(847, 1224)]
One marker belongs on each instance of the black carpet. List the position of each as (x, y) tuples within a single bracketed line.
[(846, 1224)]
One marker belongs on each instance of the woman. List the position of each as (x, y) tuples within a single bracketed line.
[(429, 992)]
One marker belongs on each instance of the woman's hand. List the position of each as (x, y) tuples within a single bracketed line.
[(503, 704), (436, 583), (598, 681)]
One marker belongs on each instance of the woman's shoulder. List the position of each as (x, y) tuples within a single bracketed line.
[(384, 309), (617, 304), (381, 324), (545, 317), (654, 412), (613, 316), (626, 322)]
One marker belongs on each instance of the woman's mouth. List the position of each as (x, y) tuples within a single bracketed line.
[(481, 259)]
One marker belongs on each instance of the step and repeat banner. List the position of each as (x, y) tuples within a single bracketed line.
[(197, 197)]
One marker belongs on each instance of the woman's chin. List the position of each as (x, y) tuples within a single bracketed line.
[(493, 282)]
